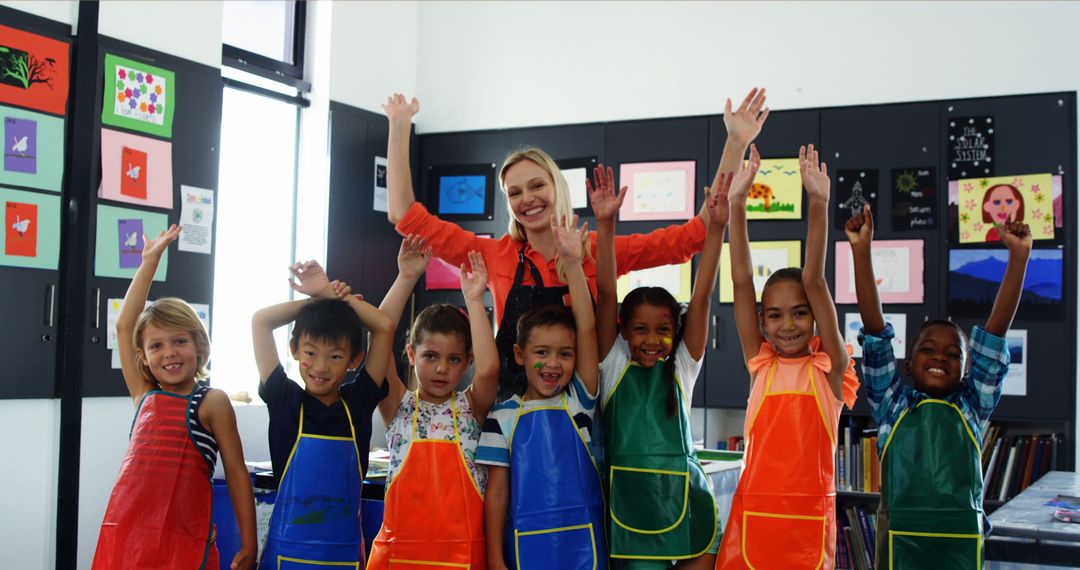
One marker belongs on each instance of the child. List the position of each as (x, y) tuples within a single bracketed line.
[(930, 435), (159, 512), (435, 489), (784, 511), (319, 434), (661, 502), (536, 446)]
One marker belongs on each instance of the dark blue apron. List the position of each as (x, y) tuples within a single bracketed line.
[(556, 504), (316, 520)]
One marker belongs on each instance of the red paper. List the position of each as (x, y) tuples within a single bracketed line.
[(133, 173), (34, 71), (21, 221)]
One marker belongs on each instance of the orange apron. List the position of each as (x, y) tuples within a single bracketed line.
[(434, 512), (783, 515)]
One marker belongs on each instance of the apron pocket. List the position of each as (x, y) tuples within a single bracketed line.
[(566, 547), (286, 563), (398, 564), (943, 550), (648, 501), (773, 540)]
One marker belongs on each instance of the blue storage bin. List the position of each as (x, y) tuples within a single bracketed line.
[(228, 531)]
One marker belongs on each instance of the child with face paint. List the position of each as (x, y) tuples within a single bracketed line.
[(537, 444), (784, 510), (661, 503), (434, 506), (930, 433)]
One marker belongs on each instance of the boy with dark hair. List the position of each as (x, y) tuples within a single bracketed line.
[(319, 434)]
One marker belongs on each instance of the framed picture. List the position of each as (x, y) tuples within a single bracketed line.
[(576, 171), (954, 204), (138, 96), (677, 279), (35, 71), (853, 324), (777, 191), (33, 149), (462, 191), (766, 257), (914, 198), (855, 187), (984, 203), (898, 270), (658, 190), (136, 170), (975, 274)]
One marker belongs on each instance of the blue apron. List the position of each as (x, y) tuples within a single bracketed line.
[(316, 520), (556, 503)]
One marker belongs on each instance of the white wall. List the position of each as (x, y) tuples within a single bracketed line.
[(501, 64), (373, 51), (65, 11), (187, 29), (28, 477)]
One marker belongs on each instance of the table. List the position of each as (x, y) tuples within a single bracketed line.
[(1024, 529)]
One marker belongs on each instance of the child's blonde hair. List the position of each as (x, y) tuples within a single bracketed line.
[(563, 206), (174, 314)]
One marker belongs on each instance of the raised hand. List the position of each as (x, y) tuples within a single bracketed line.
[(744, 178), (153, 248), (413, 257), (716, 200), (474, 283), (312, 279), (605, 202), (1016, 236), (568, 238), (398, 109), (860, 228), (341, 289), (815, 174), (744, 124)]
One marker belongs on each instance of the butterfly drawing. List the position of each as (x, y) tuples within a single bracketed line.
[(21, 145), (133, 172), (132, 240), (21, 226)]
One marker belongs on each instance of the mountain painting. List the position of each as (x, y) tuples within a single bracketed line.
[(974, 276)]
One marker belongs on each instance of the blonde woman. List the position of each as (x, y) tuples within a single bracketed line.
[(524, 270)]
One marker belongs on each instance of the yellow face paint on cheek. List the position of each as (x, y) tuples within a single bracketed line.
[(667, 340)]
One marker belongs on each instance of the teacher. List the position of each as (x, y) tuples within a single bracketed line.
[(523, 269)]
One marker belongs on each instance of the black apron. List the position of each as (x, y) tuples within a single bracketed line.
[(521, 298)]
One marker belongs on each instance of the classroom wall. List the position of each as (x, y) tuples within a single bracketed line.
[(373, 51), (65, 11)]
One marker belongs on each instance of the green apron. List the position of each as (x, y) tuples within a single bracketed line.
[(931, 512), (661, 503)]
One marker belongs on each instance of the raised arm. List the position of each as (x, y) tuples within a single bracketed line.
[(743, 126), (134, 300), (485, 383), (382, 336), (605, 205), (742, 276), (860, 232), (1017, 239), (568, 245), (399, 184), (413, 258), (815, 178)]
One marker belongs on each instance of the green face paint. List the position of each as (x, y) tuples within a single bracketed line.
[(538, 365)]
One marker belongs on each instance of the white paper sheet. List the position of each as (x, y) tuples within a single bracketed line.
[(197, 218)]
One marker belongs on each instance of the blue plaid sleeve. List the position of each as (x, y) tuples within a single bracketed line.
[(884, 390), (981, 390)]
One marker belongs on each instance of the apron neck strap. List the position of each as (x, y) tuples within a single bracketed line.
[(519, 273), (453, 414)]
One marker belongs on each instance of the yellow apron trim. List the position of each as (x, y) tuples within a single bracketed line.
[(427, 563), (813, 392), (456, 441), (686, 497), (566, 408), (976, 537), (281, 559), (903, 414), (518, 535), (622, 375), (746, 514), (300, 433), (821, 409), (329, 437)]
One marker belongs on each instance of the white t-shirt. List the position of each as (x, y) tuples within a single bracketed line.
[(611, 369)]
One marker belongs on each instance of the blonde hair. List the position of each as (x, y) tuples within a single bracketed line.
[(563, 206), (174, 314)]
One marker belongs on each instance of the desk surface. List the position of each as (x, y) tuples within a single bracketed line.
[(1027, 516)]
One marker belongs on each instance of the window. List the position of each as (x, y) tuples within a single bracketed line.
[(265, 37)]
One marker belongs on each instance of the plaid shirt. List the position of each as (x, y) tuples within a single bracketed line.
[(977, 395)]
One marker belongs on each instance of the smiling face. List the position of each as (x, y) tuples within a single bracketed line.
[(440, 360), (530, 194), (937, 360), (171, 357), (323, 365), (549, 357), (786, 318), (1002, 204), (649, 332)]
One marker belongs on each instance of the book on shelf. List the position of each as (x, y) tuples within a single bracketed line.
[(1013, 462), (855, 539)]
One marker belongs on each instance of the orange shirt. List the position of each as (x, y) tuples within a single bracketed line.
[(665, 246)]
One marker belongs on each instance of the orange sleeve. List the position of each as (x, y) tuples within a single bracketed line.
[(665, 246), (448, 240), (850, 388)]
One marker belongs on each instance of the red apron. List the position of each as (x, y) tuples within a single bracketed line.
[(434, 512), (159, 512), (783, 515)]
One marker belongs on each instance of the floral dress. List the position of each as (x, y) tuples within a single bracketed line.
[(435, 421)]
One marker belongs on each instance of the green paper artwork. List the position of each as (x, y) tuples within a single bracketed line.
[(138, 96), (33, 149), (109, 257), (31, 236)]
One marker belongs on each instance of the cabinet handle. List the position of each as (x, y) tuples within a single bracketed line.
[(97, 307), (50, 305), (715, 331)]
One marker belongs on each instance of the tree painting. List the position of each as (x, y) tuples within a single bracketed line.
[(23, 69)]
